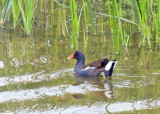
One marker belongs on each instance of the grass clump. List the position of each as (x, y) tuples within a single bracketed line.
[(15, 11), (28, 11), (4, 10)]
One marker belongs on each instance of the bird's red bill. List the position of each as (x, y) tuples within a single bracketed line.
[(72, 56)]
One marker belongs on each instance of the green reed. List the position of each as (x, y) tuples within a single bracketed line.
[(110, 16), (138, 11), (74, 5), (130, 36), (28, 14), (116, 38), (15, 12), (73, 22), (92, 16), (85, 15), (119, 8), (157, 22), (148, 15), (116, 18), (119, 14), (42, 5), (4, 10), (148, 12), (85, 40), (143, 16)]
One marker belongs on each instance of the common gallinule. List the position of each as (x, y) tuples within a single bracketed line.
[(97, 68)]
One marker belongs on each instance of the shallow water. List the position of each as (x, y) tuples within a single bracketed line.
[(35, 75)]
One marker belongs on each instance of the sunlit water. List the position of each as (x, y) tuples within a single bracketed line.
[(36, 77)]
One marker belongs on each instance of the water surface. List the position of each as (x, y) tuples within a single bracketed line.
[(35, 75)]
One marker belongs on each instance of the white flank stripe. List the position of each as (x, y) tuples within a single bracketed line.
[(108, 66), (89, 68)]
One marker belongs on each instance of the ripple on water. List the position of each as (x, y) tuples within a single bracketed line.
[(60, 90), (97, 107), (78, 91), (35, 77)]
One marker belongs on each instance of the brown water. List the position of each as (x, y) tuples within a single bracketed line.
[(35, 75)]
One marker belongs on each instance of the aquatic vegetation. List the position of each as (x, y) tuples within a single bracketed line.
[(74, 21), (92, 16), (15, 11), (28, 14), (156, 21), (145, 15), (116, 38), (143, 12), (4, 10), (85, 39), (85, 15)]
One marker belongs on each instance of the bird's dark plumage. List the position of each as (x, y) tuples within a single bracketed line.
[(93, 69)]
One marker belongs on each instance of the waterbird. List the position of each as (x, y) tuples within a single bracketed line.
[(97, 68)]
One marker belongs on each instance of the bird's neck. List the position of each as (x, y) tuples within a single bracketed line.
[(80, 63)]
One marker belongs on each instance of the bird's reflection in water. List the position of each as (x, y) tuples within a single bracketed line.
[(102, 88)]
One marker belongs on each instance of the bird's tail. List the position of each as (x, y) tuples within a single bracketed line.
[(110, 66)]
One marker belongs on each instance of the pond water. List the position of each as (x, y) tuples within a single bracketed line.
[(36, 77)]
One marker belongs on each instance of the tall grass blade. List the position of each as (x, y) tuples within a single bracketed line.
[(116, 39), (74, 37), (75, 16), (84, 38), (4, 11), (138, 11), (131, 32), (15, 11), (79, 18), (85, 15), (28, 14), (158, 22), (119, 13), (110, 16), (92, 17)]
